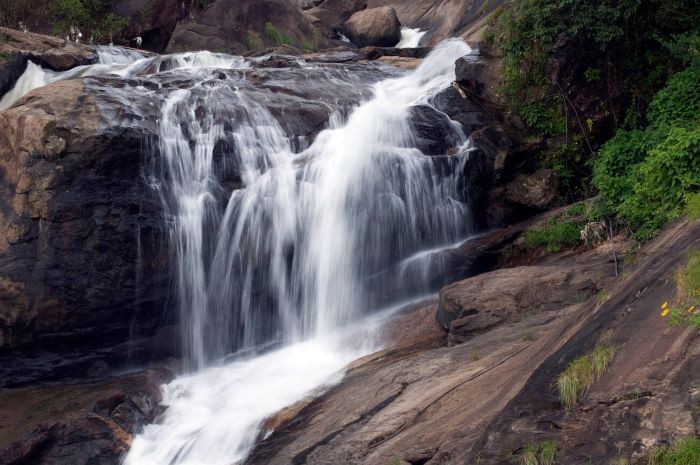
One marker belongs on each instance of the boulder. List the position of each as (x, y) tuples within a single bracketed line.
[(306, 4), (81, 240), (478, 304), (538, 190), (330, 16), (235, 26), (374, 26)]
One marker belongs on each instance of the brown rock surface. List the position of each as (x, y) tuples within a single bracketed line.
[(484, 399), (374, 26), (233, 26), (538, 190), (80, 424), (74, 208)]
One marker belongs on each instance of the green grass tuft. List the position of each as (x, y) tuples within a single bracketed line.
[(554, 236), (683, 452), (581, 373), (277, 36)]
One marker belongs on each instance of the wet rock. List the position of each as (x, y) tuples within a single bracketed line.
[(306, 4), (451, 102), (538, 190), (235, 26), (434, 133), (81, 423), (480, 303), (374, 26), (80, 235), (374, 53)]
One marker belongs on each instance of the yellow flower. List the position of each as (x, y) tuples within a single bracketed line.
[(665, 304), (665, 312), (690, 310)]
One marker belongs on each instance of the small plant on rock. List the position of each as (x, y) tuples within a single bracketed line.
[(582, 372), (686, 310), (682, 452)]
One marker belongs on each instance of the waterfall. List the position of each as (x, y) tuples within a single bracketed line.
[(288, 262), (410, 38)]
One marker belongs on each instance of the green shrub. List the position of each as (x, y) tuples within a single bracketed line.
[(648, 176), (277, 36), (94, 18), (692, 202), (683, 452)]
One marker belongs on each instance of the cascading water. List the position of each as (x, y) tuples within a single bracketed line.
[(295, 255), (109, 60), (410, 37)]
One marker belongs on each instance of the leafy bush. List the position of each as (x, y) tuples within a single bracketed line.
[(683, 452), (648, 176), (94, 18)]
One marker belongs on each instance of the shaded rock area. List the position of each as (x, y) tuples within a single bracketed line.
[(82, 423), (374, 26), (154, 20), (235, 26), (484, 399)]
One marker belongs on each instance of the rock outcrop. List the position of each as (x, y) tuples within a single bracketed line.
[(374, 26), (477, 304), (329, 17), (81, 250), (80, 423), (17, 47), (236, 26)]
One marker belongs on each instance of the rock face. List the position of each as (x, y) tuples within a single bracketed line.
[(81, 423), (330, 16), (537, 190), (478, 304), (81, 250), (485, 399), (374, 26), (235, 26)]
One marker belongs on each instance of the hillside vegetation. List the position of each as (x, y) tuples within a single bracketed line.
[(615, 87)]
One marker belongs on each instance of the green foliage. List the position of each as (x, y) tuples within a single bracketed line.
[(683, 452), (94, 18), (582, 372), (554, 236), (544, 453), (648, 176), (277, 36)]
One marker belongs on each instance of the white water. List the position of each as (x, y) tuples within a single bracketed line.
[(410, 38), (289, 258)]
